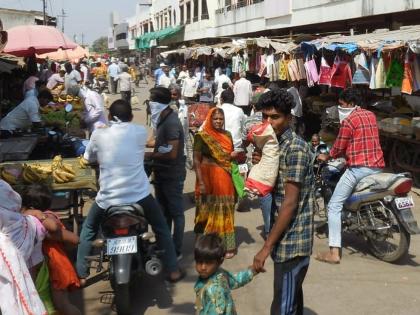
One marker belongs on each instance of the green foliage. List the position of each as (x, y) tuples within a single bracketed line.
[(100, 45)]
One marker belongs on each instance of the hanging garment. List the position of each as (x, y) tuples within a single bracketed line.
[(362, 74), (311, 72), (245, 64), (270, 63), (373, 65), (380, 75), (282, 69), (341, 74), (235, 64), (416, 73), (324, 73), (301, 69), (293, 70), (407, 83), (395, 74)]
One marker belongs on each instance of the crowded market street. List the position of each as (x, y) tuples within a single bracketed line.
[(361, 284)]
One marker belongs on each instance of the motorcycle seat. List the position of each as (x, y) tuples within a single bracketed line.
[(380, 181), (133, 210)]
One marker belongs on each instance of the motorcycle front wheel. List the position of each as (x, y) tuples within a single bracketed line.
[(391, 244)]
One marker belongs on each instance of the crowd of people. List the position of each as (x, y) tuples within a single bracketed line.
[(219, 146)]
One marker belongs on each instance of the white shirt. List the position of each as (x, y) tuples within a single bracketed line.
[(223, 78), (243, 92), (54, 80), (190, 86), (85, 72), (297, 110), (125, 81), (94, 114), (234, 120), (182, 76), (71, 79), (22, 116), (165, 81), (119, 150)]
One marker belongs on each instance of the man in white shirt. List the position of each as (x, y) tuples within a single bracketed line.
[(183, 75), (125, 84), (165, 79), (55, 79), (71, 78), (119, 151), (223, 78), (25, 115), (189, 89), (85, 71), (243, 94), (93, 116), (234, 118)]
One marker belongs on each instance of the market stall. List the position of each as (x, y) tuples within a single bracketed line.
[(67, 178)]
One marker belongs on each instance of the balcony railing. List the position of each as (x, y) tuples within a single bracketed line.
[(238, 5), (195, 19), (204, 16)]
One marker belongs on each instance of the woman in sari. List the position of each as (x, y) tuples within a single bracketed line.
[(215, 192)]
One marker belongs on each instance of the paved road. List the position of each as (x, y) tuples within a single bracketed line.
[(361, 284)]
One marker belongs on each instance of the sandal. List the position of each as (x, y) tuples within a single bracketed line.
[(326, 258)]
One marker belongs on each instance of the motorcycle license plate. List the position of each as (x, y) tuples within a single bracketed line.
[(404, 203), (121, 245)]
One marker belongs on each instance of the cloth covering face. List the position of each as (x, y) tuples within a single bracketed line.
[(156, 109)]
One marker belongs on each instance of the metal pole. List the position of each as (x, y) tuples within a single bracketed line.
[(44, 8)]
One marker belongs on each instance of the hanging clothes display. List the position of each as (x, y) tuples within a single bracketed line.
[(340, 74), (293, 70), (263, 65), (245, 64), (373, 65), (283, 68), (407, 83), (395, 74), (235, 64), (270, 62), (380, 75), (324, 73), (312, 76), (416, 73), (301, 69), (362, 73)]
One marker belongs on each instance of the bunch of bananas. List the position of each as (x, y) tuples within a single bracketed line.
[(34, 174), (11, 176), (83, 163), (62, 172)]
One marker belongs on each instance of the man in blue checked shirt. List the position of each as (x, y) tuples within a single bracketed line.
[(291, 236)]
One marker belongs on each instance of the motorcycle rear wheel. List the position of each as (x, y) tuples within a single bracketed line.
[(122, 299), (388, 252)]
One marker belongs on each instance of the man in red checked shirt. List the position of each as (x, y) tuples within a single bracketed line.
[(358, 142)]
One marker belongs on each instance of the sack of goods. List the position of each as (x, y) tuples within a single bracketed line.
[(263, 175)]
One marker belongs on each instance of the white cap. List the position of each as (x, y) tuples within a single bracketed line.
[(162, 65)]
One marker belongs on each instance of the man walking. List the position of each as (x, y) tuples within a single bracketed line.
[(125, 84), (291, 237), (113, 71), (243, 94), (169, 156)]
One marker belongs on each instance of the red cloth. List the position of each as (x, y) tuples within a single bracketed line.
[(358, 141), (341, 74)]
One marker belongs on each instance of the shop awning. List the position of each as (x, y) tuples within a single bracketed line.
[(143, 42)]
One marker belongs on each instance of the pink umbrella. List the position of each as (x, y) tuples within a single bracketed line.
[(63, 55), (27, 40)]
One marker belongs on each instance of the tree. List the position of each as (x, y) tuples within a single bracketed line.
[(100, 45)]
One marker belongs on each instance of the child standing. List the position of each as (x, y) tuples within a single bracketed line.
[(62, 274), (214, 284)]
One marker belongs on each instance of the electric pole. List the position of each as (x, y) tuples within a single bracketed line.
[(44, 10), (83, 39), (63, 15)]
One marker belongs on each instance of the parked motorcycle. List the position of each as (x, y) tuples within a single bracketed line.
[(129, 248), (379, 209)]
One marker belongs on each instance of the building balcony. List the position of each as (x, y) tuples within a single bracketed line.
[(195, 19), (238, 5)]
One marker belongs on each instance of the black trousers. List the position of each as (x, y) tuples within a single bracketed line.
[(288, 280), (126, 96)]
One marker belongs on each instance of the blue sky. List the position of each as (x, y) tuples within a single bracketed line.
[(90, 17)]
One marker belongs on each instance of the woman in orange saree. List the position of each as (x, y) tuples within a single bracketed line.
[(215, 192)]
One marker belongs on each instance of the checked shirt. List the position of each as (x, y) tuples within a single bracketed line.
[(358, 141), (295, 166)]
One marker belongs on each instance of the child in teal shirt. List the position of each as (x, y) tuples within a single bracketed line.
[(214, 284)]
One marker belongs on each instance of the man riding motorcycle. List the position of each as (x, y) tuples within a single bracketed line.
[(357, 141), (119, 151)]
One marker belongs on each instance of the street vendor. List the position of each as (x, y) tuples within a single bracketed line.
[(56, 79), (94, 115), (25, 115)]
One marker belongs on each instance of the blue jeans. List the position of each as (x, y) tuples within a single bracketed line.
[(169, 194), (266, 205), (153, 215), (343, 190)]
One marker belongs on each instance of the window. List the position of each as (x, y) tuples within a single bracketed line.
[(146, 28), (133, 34), (170, 17), (121, 36), (181, 10), (195, 18), (188, 13), (204, 10), (174, 17)]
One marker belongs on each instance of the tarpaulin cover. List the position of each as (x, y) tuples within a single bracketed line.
[(143, 42)]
